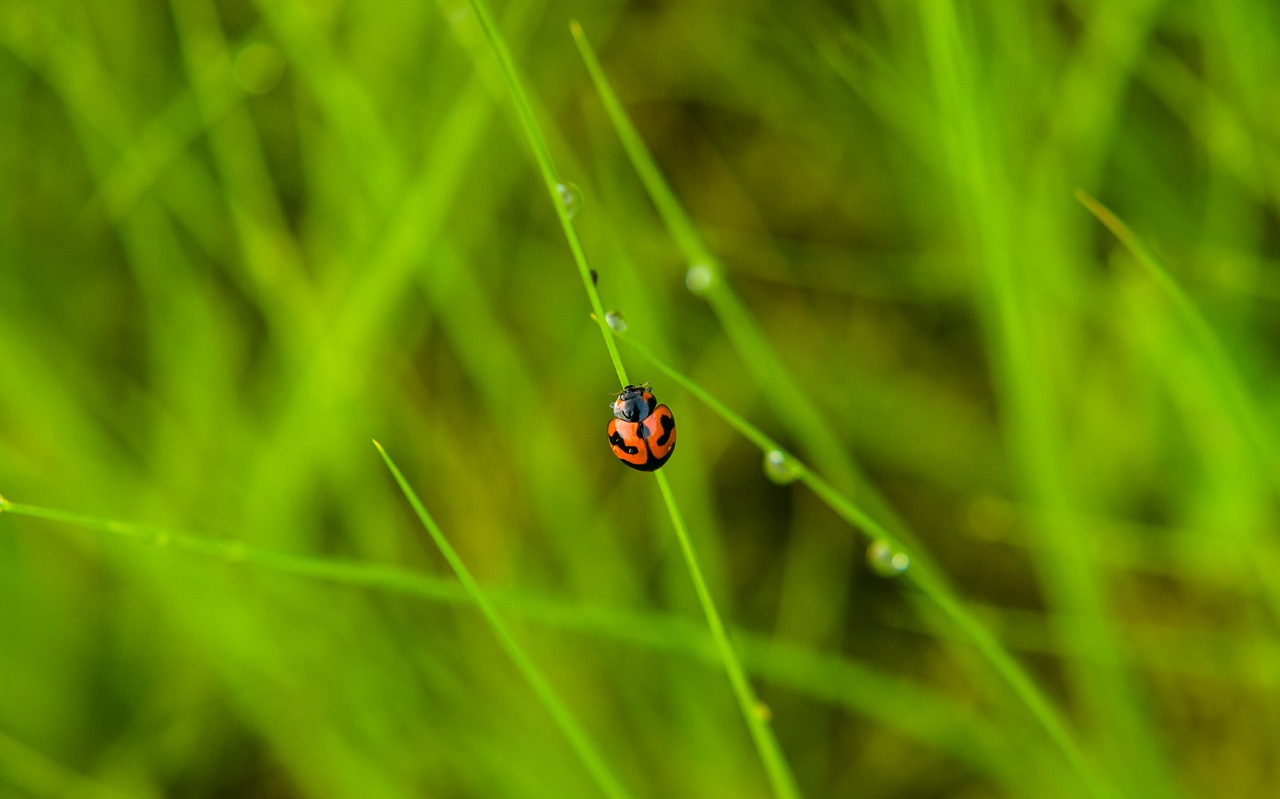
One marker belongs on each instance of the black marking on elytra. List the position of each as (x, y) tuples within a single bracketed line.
[(668, 423), (615, 438)]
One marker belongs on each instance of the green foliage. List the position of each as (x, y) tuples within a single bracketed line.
[(239, 240)]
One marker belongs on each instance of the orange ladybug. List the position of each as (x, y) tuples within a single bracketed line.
[(642, 432)]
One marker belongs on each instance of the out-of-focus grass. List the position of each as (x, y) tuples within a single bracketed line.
[(239, 240)]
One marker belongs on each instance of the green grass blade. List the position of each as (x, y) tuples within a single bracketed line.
[(577, 738), (550, 179), (1239, 402), (669, 208), (1015, 306), (749, 341), (386, 578), (1256, 432), (793, 408), (762, 735), (932, 719), (775, 764), (930, 582)]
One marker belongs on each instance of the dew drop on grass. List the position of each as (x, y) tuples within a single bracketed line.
[(616, 321), (763, 711), (699, 278), (779, 468), (570, 197), (884, 560)]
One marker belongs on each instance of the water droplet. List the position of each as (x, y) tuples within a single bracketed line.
[(885, 561), (259, 67), (780, 468), (699, 278), (763, 711), (615, 321), (571, 197)]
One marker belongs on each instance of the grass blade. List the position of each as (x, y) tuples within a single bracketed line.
[(550, 179), (932, 718), (582, 746), (775, 764), (1242, 406), (793, 408), (749, 341), (930, 582), (761, 734)]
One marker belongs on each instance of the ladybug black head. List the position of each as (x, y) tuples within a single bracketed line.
[(634, 404)]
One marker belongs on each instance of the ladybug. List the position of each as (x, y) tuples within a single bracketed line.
[(643, 433)]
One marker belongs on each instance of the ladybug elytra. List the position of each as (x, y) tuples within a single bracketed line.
[(642, 432)]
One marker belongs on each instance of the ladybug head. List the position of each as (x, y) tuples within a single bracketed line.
[(634, 404)]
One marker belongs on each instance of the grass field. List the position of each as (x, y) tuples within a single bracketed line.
[(969, 314)]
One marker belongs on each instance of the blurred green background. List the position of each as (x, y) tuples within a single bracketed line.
[(238, 240)]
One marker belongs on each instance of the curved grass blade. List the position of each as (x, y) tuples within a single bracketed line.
[(917, 712), (1238, 399), (582, 746)]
